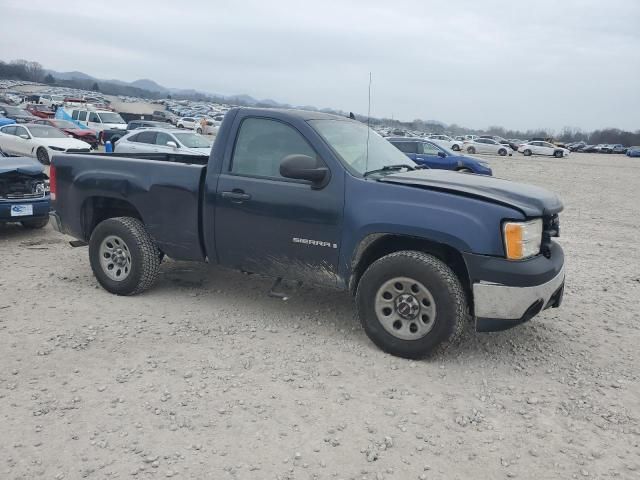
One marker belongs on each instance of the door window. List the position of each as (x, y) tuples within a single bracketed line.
[(9, 130), (262, 145), (93, 117), (407, 147), (146, 137), (428, 149), (74, 114), (163, 138), (20, 131), (82, 115)]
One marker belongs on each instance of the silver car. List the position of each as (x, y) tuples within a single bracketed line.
[(163, 140)]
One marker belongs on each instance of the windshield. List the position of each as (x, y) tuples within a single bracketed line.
[(192, 140), (64, 124), (349, 140), (110, 117), (15, 111), (46, 132)]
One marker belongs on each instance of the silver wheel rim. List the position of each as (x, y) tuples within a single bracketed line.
[(115, 258), (405, 308)]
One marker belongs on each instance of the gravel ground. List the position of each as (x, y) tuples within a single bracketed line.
[(206, 377)]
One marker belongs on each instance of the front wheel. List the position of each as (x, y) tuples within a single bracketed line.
[(411, 304), (199, 131), (558, 154), (124, 258), (455, 147), (502, 152), (43, 156), (527, 153), (471, 150)]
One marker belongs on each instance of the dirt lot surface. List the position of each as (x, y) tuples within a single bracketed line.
[(205, 377)]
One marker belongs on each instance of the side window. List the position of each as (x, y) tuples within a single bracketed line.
[(262, 144), (407, 147), (147, 137), (74, 114), (93, 117), (133, 138), (9, 130), (82, 115), (20, 131), (428, 149), (163, 138)]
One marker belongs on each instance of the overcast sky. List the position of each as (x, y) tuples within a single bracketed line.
[(549, 63)]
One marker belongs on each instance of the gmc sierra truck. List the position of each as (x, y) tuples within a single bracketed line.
[(322, 199)]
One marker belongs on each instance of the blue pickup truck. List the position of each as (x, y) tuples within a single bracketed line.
[(24, 192), (322, 199)]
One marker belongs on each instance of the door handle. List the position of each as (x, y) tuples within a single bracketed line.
[(237, 196)]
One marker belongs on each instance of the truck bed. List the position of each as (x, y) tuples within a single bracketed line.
[(162, 190)]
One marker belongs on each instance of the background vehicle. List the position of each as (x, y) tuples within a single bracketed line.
[(70, 128), (187, 122), (618, 148), (155, 140), (502, 141), (633, 152), (6, 121), (18, 114), (40, 111), (577, 146), (51, 100), (589, 149), (485, 145), (211, 127), (604, 148), (164, 116), (543, 148), (99, 120), (38, 141), (114, 135), (24, 192), (428, 153), (447, 142), (294, 194)]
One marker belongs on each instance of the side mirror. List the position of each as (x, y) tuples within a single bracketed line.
[(172, 144), (24, 136), (303, 167), (441, 154)]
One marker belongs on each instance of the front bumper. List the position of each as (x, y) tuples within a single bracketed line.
[(506, 293), (40, 207)]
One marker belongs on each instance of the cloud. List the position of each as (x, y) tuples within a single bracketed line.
[(571, 63)]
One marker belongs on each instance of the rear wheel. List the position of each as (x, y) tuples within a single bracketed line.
[(43, 156), (502, 152), (199, 131), (124, 258), (35, 223), (558, 154), (464, 170), (527, 153), (455, 147), (411, 304), (471, 150)]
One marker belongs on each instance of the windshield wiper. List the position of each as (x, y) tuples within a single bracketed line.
[(391, 168)]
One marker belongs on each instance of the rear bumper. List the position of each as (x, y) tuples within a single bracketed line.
[(506, 293)]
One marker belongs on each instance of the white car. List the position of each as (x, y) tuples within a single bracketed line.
[(163, 140), (446, 142), (187, 122), (39, 141), (485, 145), (211, 127), (99, 120), (543, 148)]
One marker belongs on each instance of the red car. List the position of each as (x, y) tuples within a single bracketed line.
[(41, 111), (71, 129)]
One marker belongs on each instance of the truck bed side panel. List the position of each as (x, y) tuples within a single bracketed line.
[(165, 194)]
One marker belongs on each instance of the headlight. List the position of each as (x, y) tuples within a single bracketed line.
[(57, 149), (522, 239)]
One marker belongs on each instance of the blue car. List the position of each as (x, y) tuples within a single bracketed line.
[(633, 152), (429, 154), (6, 121)]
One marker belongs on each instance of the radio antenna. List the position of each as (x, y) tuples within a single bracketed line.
[(368, 125)]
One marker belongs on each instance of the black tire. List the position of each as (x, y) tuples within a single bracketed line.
[(527, 153), (447, 293), (145, 255), (180, 125), (558, 154), (502, 152), (199, 131), (455, 147), (471, 150), (43, 156), (464, 170), (35, 223)]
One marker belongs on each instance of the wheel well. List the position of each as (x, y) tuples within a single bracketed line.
[(98, 209), (386, 244)]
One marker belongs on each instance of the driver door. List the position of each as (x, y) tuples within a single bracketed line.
[(268, 224), (22, 146), (429, 154)]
